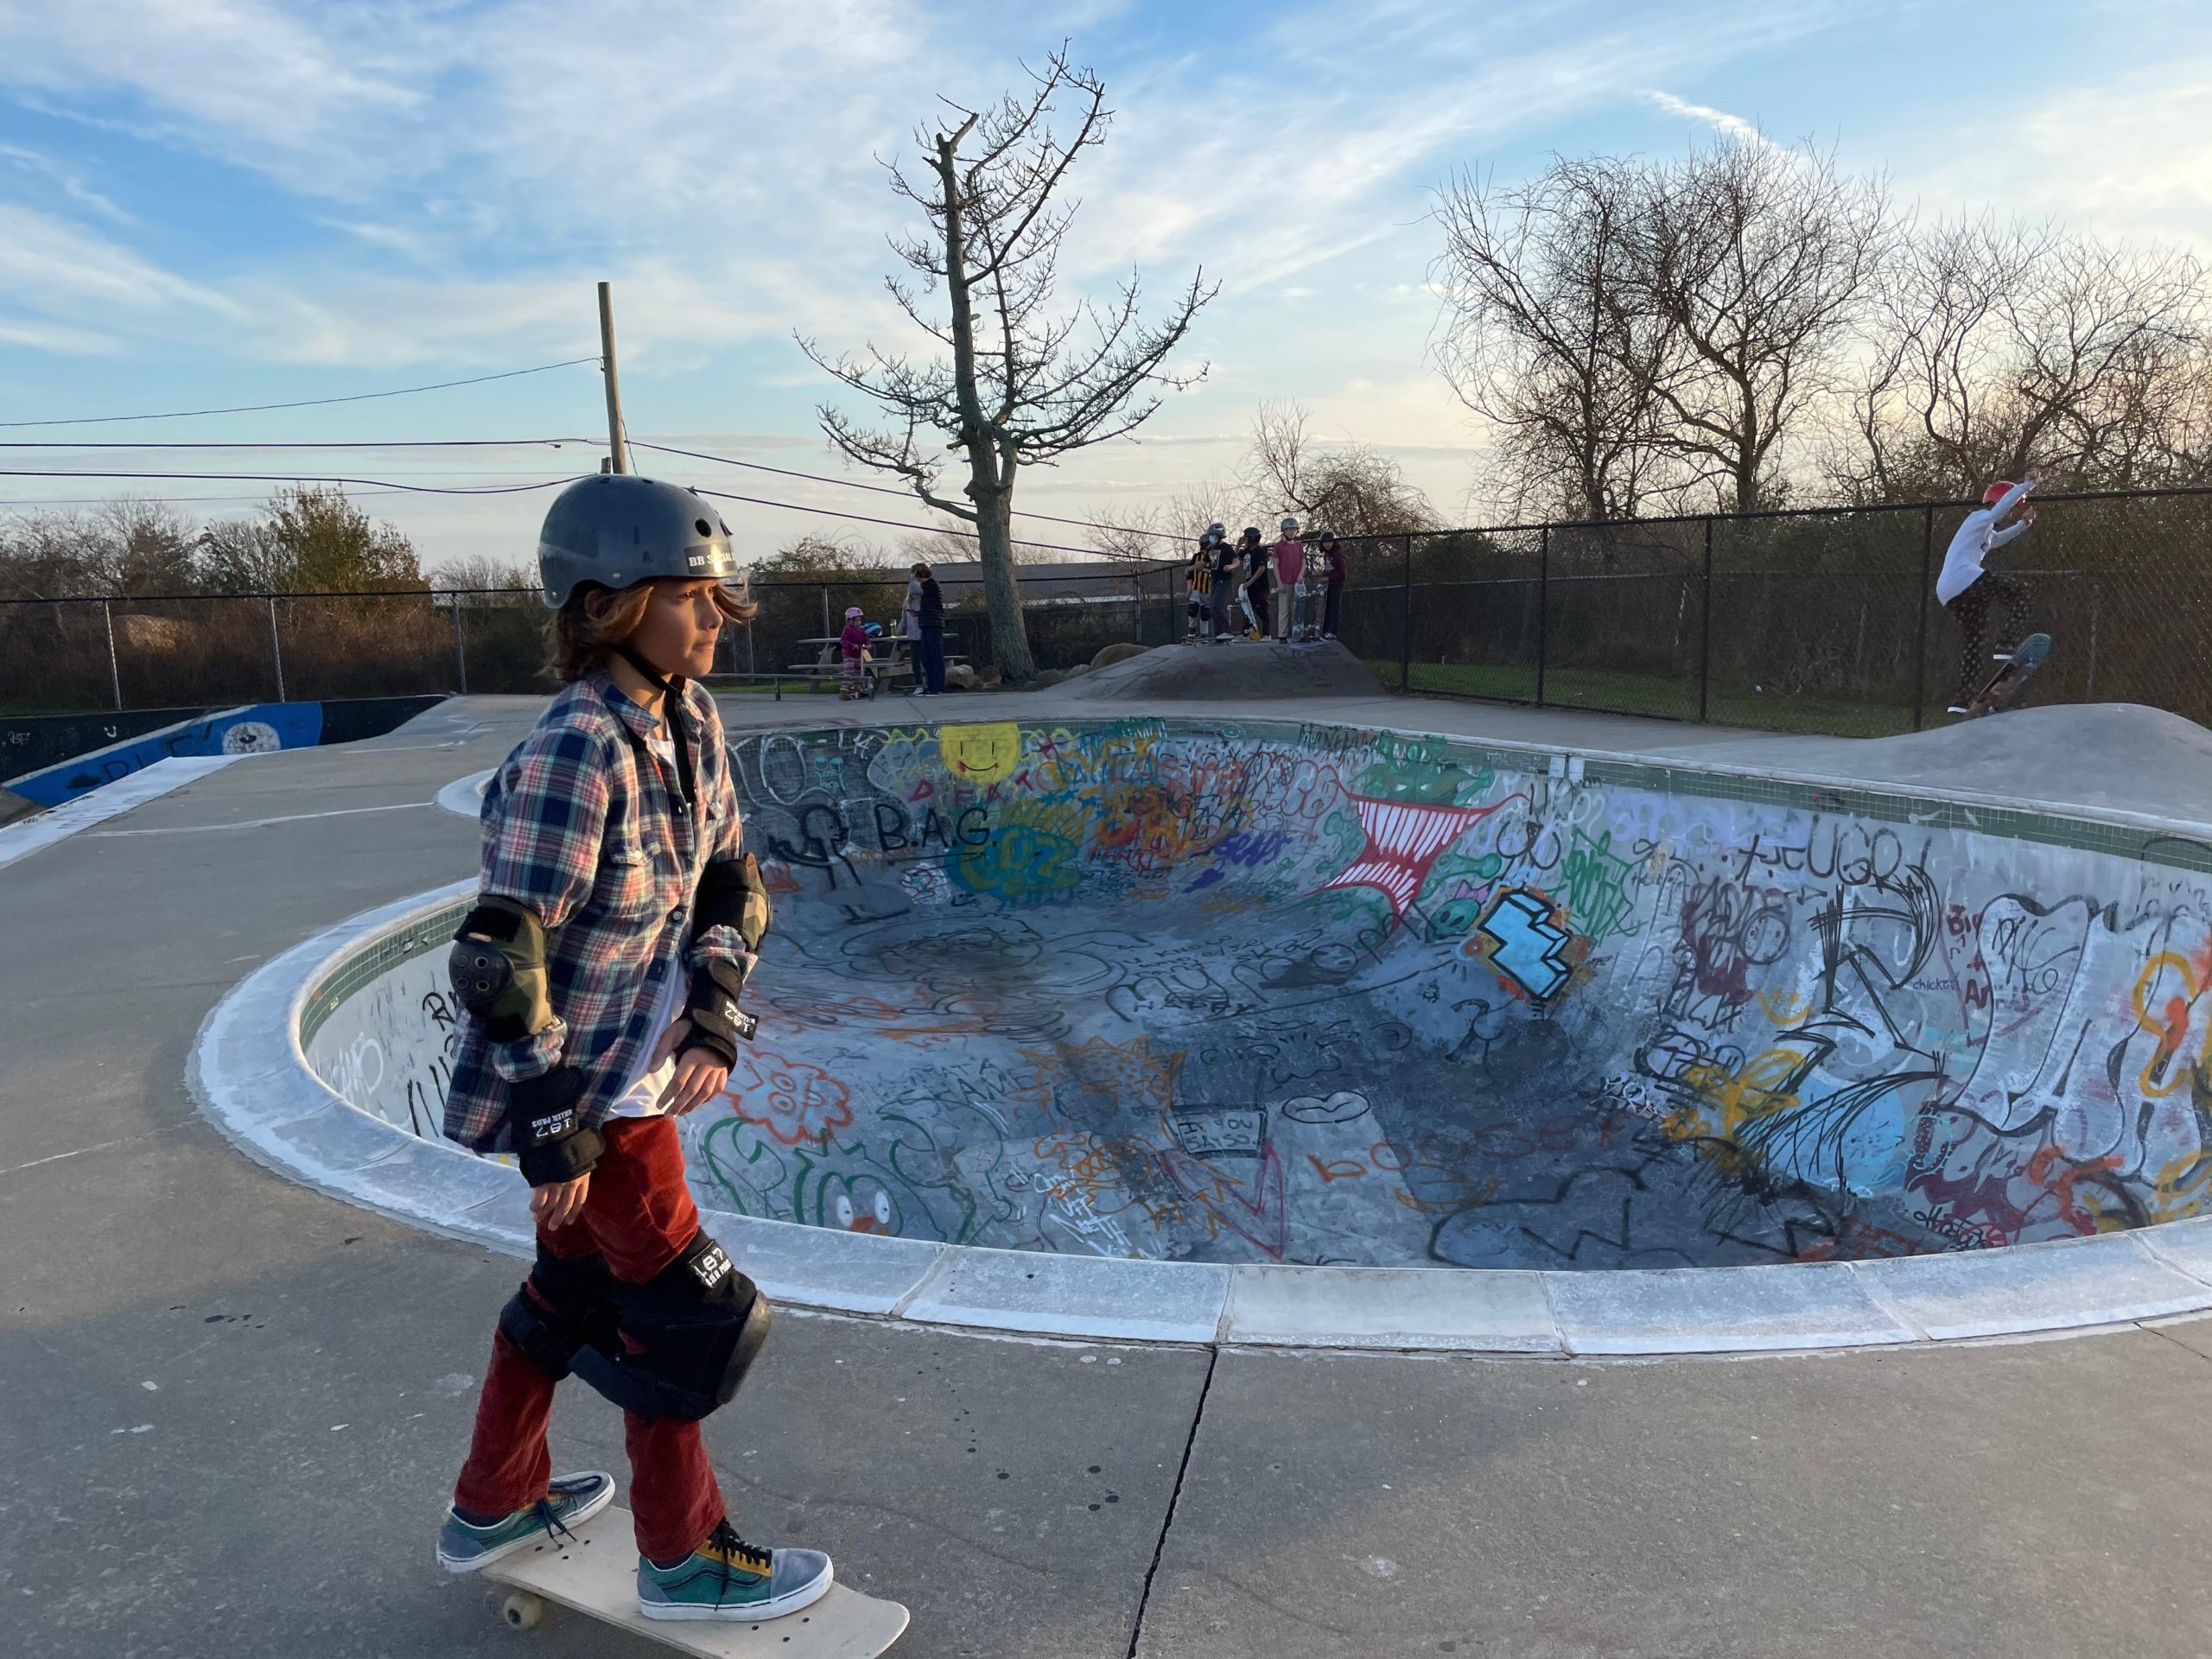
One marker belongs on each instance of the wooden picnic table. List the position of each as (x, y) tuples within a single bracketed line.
[(882, 659)]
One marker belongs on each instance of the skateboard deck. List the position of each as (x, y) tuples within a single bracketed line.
[(598, 1574), (2004, 684)]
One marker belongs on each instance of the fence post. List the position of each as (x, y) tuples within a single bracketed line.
[(1920, 602), (114, 669), (1543, 607), (1406, 625), (459, 649), (276, 648), (826, 629), (2095, 609), (1705, 630)]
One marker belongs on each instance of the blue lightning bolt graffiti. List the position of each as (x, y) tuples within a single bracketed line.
[(1525, 944)]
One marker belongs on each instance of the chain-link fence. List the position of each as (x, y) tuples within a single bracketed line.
[(1820, 620), (74, 655)]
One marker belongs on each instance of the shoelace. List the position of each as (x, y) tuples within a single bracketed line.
[(550, 1519), (725, 1547)]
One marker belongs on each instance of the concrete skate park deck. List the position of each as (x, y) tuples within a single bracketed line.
[(235, 1403)]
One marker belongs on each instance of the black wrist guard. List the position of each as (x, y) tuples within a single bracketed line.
[(551, 1141), (718, 1023)]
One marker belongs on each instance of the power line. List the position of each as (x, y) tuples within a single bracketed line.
[(515, 443), (151, 500), (308, 403), (388, 485), (894, 524), (361, 443), (880, 489), (292, 478)]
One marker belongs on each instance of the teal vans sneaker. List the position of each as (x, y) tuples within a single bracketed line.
[(726, 1578), (569, 1501)]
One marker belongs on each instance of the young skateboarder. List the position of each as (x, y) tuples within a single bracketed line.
[(1966, 590), (615, 922), (1252, 585), (1332, 570), (1289, 572), (1228, 586), (852, 641), (1197, 582)]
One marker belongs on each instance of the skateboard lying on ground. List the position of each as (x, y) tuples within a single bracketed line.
[(2004, 684), (595, 1572)]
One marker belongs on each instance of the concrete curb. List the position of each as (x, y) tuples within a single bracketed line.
[(250, 1076), (464, 797)]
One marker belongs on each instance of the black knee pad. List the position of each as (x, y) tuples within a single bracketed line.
[(687, 1336), (564, 1306)]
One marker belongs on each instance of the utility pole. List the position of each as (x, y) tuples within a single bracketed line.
[(619, 454)]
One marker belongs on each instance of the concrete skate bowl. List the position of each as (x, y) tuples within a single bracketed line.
[(1185, 1029)]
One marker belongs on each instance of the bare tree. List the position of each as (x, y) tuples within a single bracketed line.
[(483, 573), (1760, 258), (1543, 339), (1995, 346), (1135, 532), (1009, 382), (1348, 488)]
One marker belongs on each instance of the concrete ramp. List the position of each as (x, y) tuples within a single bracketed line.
[(1241, 670), (2100, 755)]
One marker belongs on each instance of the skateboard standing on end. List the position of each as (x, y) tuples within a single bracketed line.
[(592, 1571), (2012, 673)]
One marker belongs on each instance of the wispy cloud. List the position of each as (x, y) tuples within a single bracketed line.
[(2132, 157), (64, 270), (58, 338), (1734, 126), (58, 174)]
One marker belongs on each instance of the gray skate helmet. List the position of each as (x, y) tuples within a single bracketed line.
[(618, 529)]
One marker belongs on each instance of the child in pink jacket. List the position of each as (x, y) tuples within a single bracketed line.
[(853, 642)]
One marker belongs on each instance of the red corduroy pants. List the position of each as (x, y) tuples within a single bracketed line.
[(638, 1213)]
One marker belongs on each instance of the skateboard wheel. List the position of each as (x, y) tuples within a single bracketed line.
[(522, 1609)]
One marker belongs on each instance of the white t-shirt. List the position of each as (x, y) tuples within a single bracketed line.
[(1962, 559), (641, 1090)]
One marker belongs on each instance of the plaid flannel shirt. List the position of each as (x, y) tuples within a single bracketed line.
[(583, 825)]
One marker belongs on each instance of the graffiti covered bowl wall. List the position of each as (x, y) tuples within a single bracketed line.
[(1265, 992)]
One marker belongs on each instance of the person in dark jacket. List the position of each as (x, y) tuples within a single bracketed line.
[(930, 613), (1333, 570), (1228, 576), (1258, 566)]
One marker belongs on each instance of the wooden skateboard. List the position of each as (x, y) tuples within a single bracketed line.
[(2005, 684), (597, 1573)]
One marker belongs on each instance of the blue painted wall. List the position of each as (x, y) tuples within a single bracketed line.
[(251, 730)]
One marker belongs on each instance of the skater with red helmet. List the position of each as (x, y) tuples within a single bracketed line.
[(1968, 590)]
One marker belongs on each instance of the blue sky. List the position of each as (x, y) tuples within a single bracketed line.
[(234, 202)]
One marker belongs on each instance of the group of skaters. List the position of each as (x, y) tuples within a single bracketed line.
[(1249, 590)]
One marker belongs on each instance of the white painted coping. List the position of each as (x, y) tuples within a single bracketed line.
[(465, 796), (250, 1076)]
